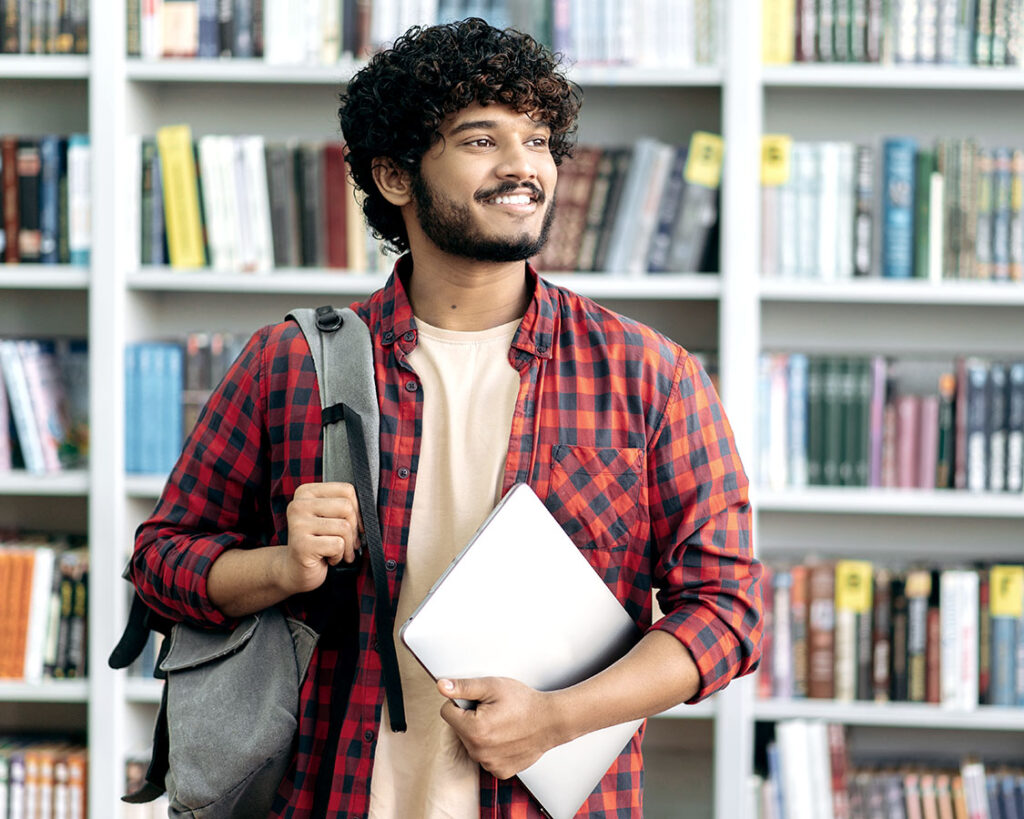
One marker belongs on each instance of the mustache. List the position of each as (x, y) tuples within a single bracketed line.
[(512, 187)]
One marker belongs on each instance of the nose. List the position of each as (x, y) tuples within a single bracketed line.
[(517, 163)]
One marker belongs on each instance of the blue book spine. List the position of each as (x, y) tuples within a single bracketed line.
[(1002, 687), (209, 33), (898, 208), (49, 196), (148, 408), (173, 386), (797, 402), (131, 408), (1019, 666), (668, 212)]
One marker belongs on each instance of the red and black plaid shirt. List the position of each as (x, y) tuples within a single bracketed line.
[(619, 429)]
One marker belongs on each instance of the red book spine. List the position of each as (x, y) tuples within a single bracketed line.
[(335, 199)]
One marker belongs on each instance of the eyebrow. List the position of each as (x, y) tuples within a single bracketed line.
[(481, 124)]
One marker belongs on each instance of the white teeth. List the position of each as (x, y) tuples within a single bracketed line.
[(511, 200)]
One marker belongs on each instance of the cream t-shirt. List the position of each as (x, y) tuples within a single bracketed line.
[(469, 396)]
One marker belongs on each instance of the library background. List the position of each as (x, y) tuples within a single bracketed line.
[(823, 199)]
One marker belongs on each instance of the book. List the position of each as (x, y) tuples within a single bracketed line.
[(180, 197), (79, 161), (21, 409), (334, 204), (698, 212), (1006, 610), (881, 644), (996, 427), (898, 208), (918, 592), (821, 631), (853, 605)]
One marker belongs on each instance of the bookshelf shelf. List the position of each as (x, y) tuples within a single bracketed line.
[(71, 691), (699, 286), (43, 277), (890, 715), (237, 71), (887, 291), (257, 71), (911, 502), (44, 67), (282, 281), (894, 78), (57, 484)]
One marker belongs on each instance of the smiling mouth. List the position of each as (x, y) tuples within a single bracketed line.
[(511, 199)]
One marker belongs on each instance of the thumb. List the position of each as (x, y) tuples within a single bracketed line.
[(471, 689)]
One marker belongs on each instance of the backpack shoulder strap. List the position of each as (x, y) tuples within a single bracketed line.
[(342, 352)]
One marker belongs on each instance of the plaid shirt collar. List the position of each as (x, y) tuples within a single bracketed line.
[(535, 334)]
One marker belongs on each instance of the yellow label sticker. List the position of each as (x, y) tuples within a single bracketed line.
[(853, 586), (1006, 591), (704, 160), (775, 164)]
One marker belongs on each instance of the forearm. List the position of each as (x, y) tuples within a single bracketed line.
[(657, 674), (244, 581)]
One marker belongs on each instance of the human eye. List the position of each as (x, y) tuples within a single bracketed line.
[(539, 142), (479, 142)]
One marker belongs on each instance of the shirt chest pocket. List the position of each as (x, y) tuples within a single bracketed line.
[(593, 493)]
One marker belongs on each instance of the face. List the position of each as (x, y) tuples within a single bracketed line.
[(485, 191)]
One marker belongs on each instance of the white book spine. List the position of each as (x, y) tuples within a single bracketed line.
[(846, 210), (828, 211), (39, 609), (968, 641), (259, 199), (215, 233), (778, 451), (949, 636), (232, 204), (21, 407), (330, 16)]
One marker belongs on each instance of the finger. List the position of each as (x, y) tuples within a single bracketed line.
[(327, 489), (327, 508), (477, 689)]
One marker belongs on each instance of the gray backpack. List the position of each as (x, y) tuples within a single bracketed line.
[(225, 731)]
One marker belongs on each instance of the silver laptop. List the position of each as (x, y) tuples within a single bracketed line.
[(520, 601)]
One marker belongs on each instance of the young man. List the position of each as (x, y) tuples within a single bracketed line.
[(486, 376)]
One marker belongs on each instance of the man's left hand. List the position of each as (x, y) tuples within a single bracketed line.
[(511, 726)]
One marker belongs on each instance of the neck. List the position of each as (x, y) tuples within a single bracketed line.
[(460, 294)]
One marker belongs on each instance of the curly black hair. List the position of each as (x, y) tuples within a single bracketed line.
[(395, 105)]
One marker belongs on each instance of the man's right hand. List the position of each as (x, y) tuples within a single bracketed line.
[(323, 530)]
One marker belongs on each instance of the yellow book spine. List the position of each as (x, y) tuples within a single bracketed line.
[(778, 32), (181, 197)]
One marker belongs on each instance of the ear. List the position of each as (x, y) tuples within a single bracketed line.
[(392, 181)]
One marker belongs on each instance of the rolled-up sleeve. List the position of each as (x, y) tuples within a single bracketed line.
[(707, 579), (211, 500)]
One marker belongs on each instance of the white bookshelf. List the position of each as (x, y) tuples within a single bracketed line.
[(733, 312), (44, 67), (893, 715)]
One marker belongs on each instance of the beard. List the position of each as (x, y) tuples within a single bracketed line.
[(449, 225)]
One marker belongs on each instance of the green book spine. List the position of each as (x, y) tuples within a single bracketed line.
[(832, 445), (815, 420)]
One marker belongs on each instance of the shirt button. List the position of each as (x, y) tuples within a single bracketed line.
[(368, 736), (403, 473), (389, 337), (410, 336), (542, 349), (411, 386), (390, 564)]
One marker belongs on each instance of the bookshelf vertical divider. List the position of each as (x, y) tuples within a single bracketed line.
[(108, 528), (739, 341)]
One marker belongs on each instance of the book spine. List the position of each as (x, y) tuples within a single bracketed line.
[(1002, 181), (1016, 240), (918, 591), (79, 199), (1015, 428), (29, 170), (782, 656), (977, 416), (928, 443), (49, 191), (997, 426), (798, 628), (21, 407), (180, 197), (924, 166), (898, 209), (947, 432), (983, 257), (832, 426), (821, 632), (899, 639), (881, 648), (933, 647), (208, 39)]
